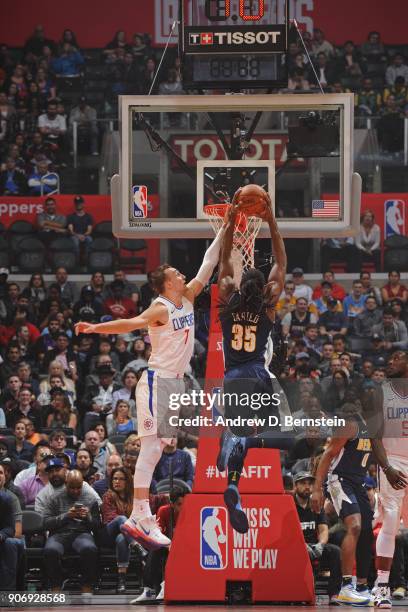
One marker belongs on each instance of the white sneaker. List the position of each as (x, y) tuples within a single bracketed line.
[(160, 596), (147, 532), (382, 597), (147, 595), (368, 594), (349, 596)]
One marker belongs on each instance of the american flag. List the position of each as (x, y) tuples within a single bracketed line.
[(325, 208)]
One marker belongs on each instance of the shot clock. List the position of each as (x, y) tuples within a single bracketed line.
[(234, 44)]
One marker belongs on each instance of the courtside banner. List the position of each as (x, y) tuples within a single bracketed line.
[(157, 17), (269, 555), (390, 212)]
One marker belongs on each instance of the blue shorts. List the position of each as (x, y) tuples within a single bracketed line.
[(246, 384), (253, 371), (353, 499)]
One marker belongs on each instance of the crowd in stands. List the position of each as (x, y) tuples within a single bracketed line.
[(38, 107), (378, 79), (68, 421), (68, 424), (38, 110)]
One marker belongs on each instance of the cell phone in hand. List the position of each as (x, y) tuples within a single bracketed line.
[(78, 505)]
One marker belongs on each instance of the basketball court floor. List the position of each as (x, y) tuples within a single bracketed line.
[(120, 604)]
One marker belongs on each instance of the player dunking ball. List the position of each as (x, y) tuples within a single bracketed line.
[(170, 323), (391, 450), (247, 316)]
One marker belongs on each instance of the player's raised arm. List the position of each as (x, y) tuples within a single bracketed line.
[(156, 314), (276, 278), (211, 258), (226, 284)]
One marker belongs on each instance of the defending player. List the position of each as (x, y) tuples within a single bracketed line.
[(391, 450), (247, 316), (344, 463), (170, 323)]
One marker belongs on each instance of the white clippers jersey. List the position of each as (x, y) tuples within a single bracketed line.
[(173, 343), (395, 438)]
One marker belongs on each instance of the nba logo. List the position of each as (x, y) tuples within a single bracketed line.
[(213, 538), (394, 222), (139, 208)]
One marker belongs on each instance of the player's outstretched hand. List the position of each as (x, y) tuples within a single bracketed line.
[(84, 328), (267, 214), (233, 209), (396, 478), (235, 199), (316, 500)]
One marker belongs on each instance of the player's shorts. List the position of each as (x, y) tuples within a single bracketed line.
[(156, 399), (246, 391), (350, 497), (392, 499)]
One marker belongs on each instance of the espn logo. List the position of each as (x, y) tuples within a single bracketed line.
[(139, 203)]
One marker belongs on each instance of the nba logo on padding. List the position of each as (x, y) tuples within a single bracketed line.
[(213, 538), (394, 222), (139, 207)]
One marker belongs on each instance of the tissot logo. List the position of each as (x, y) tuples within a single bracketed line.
[(231, 39), (206, 38), (234, 38)]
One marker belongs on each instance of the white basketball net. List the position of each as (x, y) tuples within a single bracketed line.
[(245, 232)]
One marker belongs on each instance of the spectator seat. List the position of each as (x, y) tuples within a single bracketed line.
[(165, 485), (33, 532), (22, 464), (4, 252), (396, 253), (101, 255), (127, 254), (115, 438), (5, 431), (31, 255), (120, 447), (103, 229), (63, 254), (338, 267), (17, 231)]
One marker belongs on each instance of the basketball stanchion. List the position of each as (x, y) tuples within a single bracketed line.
[(209, 561)]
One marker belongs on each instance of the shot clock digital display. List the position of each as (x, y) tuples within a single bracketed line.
[(220, 10), (234, 44)]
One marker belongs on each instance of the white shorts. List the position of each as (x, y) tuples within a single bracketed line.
[(153, 396), (392, 499)]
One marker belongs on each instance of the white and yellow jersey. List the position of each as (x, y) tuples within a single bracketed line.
[(173, 343), (395, 407)]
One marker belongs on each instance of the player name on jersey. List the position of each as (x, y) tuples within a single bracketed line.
[(184, 321), (249, 317)]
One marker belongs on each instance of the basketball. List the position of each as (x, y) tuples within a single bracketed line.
[(252, 200)]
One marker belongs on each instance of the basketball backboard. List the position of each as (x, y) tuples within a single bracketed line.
[(169, 144)]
